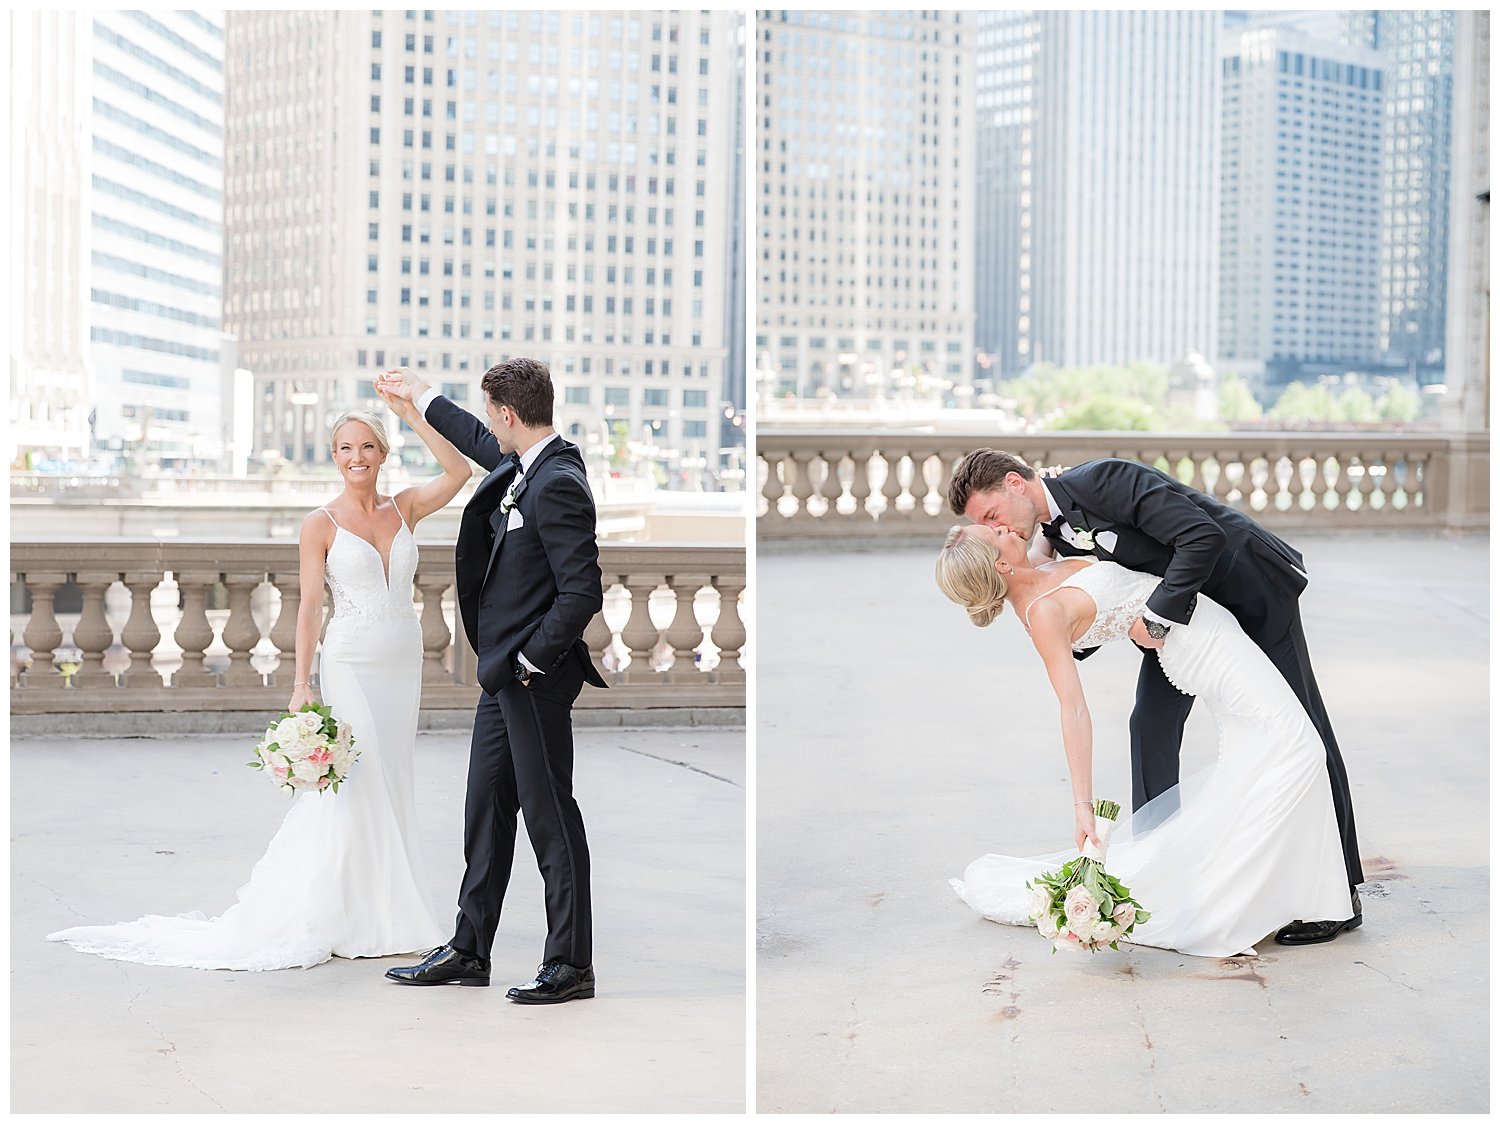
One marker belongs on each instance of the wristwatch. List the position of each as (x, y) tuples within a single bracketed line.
[(1156, 630), (523, 674)]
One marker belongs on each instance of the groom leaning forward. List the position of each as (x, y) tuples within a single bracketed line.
[(1146, 520), (528, 585)]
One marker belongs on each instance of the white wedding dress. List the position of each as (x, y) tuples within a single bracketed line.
[(1239, 849), (343, 875)]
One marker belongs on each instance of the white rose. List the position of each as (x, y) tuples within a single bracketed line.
[(287, 730), (1104, 932), (1081, 910), (1048, 925), (307, 772), (309, 722)]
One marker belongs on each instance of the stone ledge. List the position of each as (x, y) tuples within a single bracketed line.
[(148, 725)]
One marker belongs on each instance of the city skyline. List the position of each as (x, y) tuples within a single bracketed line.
[(942, 200)]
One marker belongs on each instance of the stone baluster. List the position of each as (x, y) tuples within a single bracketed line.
[(598, 635), (685, 633), (891, 489), (640, 635), (729, 631), (921, 487), (773, 489), (435, 635), (1342, 484), (1296, 487), (194, 633), (284, 630), (141, 634), (43, 634), (1388, 485), (240, 633), (1367, 485), (92, 633), (859, 487), (803, 488)]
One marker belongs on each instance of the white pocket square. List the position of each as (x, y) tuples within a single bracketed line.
[(1107, 540), (514, 520)]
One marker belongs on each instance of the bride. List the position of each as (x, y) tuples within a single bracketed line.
[(343, 876), (1231, 854)]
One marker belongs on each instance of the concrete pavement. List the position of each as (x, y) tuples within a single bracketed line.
[(896, 742), (107, 830)]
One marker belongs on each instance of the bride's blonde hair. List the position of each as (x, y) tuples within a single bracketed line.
[(377, 427), (967, 576)]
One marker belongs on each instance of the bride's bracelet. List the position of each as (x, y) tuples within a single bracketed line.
[(302, 683), (1088, 803)]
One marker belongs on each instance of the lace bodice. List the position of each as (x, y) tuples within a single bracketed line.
[(356, 576), (1118, 595)]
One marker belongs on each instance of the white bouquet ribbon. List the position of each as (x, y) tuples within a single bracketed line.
[(1103, 828)]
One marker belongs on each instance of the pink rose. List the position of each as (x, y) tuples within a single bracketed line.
[(1124, 916), (321, 756)]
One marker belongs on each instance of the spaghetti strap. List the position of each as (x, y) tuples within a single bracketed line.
[(1026, 620), (397, 505), (331, 519)]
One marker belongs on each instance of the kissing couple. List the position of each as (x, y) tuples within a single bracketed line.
[(344, 874), (1263, 840)]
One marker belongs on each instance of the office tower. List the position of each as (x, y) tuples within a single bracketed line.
[(48, 306), (445, 189), (1300, 234), (864, 194), (156, 235), (1418, 49), (1099, 137), (1466, 405)]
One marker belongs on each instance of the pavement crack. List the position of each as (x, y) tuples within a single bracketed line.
[(169, 1050), (1387, 975), (682, 765)]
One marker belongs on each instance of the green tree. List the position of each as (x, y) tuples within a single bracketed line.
[(1299, 403), (1399, 404), (1236, 403), (1356, 405), (1105, 411)]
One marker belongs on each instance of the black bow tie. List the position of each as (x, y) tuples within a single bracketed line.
[(1055, 527)]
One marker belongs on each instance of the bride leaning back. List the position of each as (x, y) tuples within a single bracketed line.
[(1231, 854)]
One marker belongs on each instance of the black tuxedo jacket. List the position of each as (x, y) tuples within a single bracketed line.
[(537, 587), (1189, 539)]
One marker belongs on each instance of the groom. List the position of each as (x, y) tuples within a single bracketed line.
[(528, 585), (1146, 520)]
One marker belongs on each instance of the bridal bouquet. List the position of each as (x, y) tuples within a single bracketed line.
[(1081, 906), (309, 750)]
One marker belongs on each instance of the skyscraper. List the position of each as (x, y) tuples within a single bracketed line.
[(864, 191), (156, 234), (1417, 47), (48, 307), (1099, 143), (444, 189), (1301, 172)]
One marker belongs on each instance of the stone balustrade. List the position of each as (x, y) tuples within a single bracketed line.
[(829, 482), (181, 625)]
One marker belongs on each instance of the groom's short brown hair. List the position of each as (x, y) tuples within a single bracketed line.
[(981, 471), (525, 385)]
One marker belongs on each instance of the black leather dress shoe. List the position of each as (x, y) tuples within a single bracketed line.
[(444, 964), (556, 982), (1316, 932)]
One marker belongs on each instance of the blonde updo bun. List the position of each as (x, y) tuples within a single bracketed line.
[(967, 576), (376, 426)]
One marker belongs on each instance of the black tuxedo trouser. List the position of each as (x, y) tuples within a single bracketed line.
[(521, 760), (1161, 710)]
